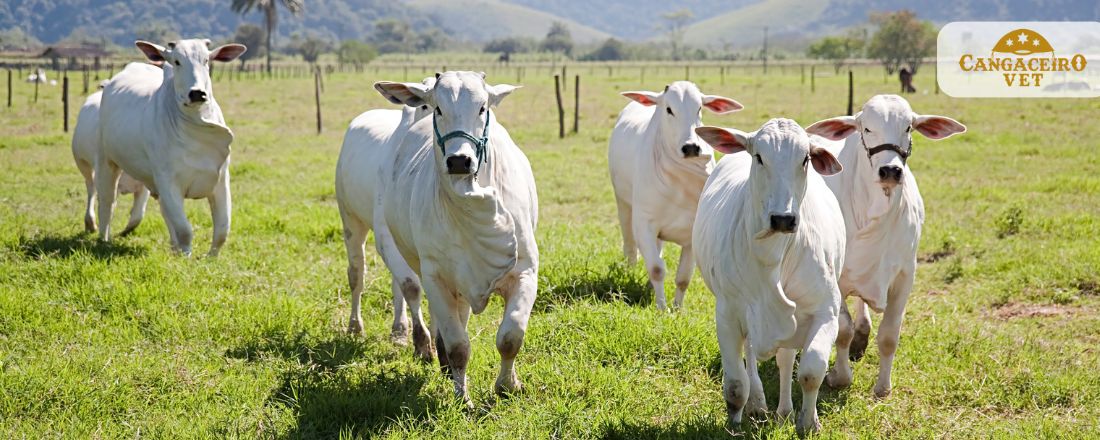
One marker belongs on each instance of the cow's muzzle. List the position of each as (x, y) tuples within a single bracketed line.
[(890, 174), (783, 222), (460, 164), (691, 150)]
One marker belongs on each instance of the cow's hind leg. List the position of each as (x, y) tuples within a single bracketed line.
[(517, 309), (683, 276), (88, 172), (355, 236), (861, 330), (626, 225), (137, 212), (106, 183)]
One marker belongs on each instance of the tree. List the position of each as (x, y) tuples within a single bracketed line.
[(509, 45), (157, 32), (610, 50), (392, 36), (309, 47), (837, 49), (251, 36), (558, 39), (16, 38), (430, 39), (901, 38), (271, 15), (356, 52), (675, 23)]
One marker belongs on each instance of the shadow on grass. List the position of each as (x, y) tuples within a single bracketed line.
[(615, 282), (329, 395), (694, 429), (57, 246)]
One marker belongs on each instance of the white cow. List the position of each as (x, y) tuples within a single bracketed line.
[(365, 157), (769, 238), (658, 167), (163, 127), (85, 150), (38, 76), (462, 209), (883, 213)]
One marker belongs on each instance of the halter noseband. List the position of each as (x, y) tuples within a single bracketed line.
[(481, 145)]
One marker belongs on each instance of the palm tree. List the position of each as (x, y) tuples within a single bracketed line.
[(271, 15)]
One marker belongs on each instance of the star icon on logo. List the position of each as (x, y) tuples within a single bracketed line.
[(1022, 37)]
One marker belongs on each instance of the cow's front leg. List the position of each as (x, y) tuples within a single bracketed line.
[(812, 366), (106, 183), (220, 207), (841, 374), (449, 317), (757, 405), (889, 331), (517, 310), (731, 342), (650, 247), (784, 359), (171, 207), (683, 275)]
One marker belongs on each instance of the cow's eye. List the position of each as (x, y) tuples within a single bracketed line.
[(866, 130), (805, 161), (423, 107), (909, 129), (439, 112), (177, 62), (482, 111), (669, 110), (758, 159)]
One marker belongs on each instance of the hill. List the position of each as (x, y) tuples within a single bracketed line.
[(633, 19), (482, 20), (792, 22)]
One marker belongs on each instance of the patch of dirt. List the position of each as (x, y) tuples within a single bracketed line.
[(1024, 310), (935, 256), (935, 292), (1088, 287)]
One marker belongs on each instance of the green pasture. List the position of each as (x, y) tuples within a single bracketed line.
[(126, 340)]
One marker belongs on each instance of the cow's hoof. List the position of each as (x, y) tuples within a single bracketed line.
[(127, 231), (783, 412), (836, 380), (508, 386), (756, 408), (882, 392), (355, 327), (399, 334), (807, 426), (859, 344)]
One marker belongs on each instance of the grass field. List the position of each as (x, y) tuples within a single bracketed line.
[(125, 340)]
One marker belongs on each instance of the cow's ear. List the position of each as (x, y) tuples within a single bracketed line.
[(726, 140), (937, 127), (410, 94), (643, 97), (824, 162), (499, 91), (228, 52), (834, 129), (154, 52), (721, 104)]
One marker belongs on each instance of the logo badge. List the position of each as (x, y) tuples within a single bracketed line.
[(1019, 59)]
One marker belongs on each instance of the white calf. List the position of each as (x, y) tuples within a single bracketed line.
[(883, 213), (658, 167), (769, 238), (163, 127), (85, 150)]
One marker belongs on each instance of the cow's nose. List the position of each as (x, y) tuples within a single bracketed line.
[(784, 222), (197, 96), (459, 164), (890, 174), (691, 150)]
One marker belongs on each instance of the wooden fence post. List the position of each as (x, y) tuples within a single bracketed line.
[(317, 95), (36, 81), (561, 111), (9, 88), (849, 92), (687, 72), (65, 101), (85, 80), (576, 103), (813, 77), (722, 74)]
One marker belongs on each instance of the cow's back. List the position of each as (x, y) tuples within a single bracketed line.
[(624, 146), (362, 158)]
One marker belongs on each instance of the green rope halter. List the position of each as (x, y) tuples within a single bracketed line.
[(481, 145)]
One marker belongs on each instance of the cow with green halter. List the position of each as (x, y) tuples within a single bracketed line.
[(461, 207)]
